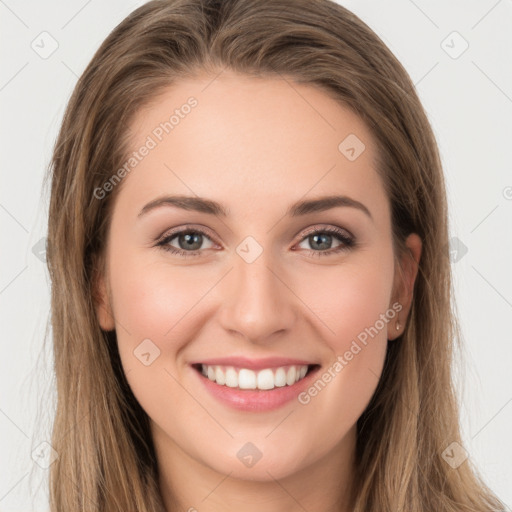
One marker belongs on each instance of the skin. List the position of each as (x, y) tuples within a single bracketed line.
[(256, 145)]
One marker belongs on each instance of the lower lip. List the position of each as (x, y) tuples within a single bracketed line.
[(257, 400)]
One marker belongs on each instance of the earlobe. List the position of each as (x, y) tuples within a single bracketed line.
[(404, 284)]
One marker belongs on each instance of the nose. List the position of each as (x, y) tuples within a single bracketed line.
[(257, 302)]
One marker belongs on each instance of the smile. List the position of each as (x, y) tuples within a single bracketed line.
[(268, 385), (244, 378)]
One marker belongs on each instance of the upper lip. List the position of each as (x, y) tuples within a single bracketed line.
[(254, 364)]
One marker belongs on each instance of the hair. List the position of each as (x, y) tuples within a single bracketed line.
[(107, 460)]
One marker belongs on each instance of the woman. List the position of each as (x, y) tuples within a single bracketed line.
[(206, 357)]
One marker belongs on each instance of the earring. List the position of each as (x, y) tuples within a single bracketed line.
[(397, 326)]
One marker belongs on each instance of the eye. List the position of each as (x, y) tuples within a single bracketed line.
[(322, 238), (189, 242)]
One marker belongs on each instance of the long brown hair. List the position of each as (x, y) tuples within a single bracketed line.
[(106, 456)]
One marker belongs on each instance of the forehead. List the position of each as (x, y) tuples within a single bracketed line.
[(250, 141)]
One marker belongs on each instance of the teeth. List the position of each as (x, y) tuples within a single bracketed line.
[(280, 377), (244, 378), (265, 379), (291, 376), (231, 378), (219, 376)]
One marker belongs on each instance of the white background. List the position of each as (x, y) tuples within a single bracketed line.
[(469, 103)]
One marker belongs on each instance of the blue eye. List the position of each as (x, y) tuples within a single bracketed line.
[(190, 241), (324, 237), (188, 238)]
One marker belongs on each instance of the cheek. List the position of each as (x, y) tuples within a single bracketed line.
[(353, 308), (350, 298), (158, 302), (155, 305), (154, 298)]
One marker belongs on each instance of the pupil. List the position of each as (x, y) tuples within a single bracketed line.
[(326, 239), (192, 238)]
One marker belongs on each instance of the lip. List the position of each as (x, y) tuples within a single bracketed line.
[(254, 400), (253, 364)]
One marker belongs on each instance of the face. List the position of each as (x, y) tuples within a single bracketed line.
[(261, 292)]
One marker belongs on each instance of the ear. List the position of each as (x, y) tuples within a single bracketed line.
[(403, 286), (101, 300)]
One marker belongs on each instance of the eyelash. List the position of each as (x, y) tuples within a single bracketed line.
[(347, 241)]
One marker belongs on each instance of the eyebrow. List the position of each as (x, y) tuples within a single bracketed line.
[(202, 205)]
